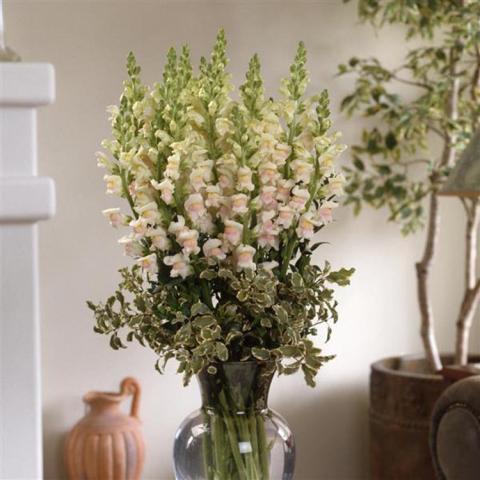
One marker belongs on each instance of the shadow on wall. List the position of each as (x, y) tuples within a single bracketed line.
[(55, 437), (320, 425)]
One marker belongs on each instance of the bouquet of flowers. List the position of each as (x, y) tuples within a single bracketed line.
[(225, 194)]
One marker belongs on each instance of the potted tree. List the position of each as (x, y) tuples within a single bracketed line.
[(393, 166)]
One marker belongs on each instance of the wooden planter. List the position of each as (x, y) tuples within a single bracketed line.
[(402, 397)]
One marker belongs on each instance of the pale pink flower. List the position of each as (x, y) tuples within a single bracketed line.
[(194, 206), (306, 225), (201, 174), (213, 196), (232, 232), (244, 179), (172, 170), (148, 263), (299, 198), (281, 153), (268, 197), (149, 212), (335, 185), (283, 190), (302, 170), (175, 228), (180, 265), (243, 256), (205, 224), (166, 189), (268, 172), (140, 226), (159, 238), (131, 247), (269, 266), (225, 180), (212, 249), (188, 239), (267, 231), (285, 216), (114, 216), (239, 203), (113, 184), (324, 214)]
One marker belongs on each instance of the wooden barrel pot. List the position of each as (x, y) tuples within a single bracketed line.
[(107, 444), (402, 397)]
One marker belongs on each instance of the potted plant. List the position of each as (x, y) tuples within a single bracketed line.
[(224, 198), (394, 166)]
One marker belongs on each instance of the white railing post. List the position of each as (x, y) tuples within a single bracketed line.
[(24, 200)]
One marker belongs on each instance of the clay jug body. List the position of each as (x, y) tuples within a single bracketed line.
[(107, 444)]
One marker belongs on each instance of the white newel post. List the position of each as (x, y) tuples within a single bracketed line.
[(24, 200)]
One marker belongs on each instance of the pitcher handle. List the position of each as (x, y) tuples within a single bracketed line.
[(130, 386)]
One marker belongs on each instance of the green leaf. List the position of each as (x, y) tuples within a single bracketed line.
[(261, 353), (222, 351)]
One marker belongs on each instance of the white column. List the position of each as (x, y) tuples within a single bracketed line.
[(24, 200)]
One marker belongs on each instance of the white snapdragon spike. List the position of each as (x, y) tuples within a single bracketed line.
[(188, 240), (180, 264), (243, 257), (284, 187), (232, 232), (239, 203), (302, 170), (212, 249), (268, 173), (113, 184), (244, 179), (286, 216), (172, 170), (335, 185), (139, 226), (149, 212), (114, 216), (159, 239), (299, 198), (306, 225), (166, 188), (214, 196), (131, 247), (194, 206), (148, 263)]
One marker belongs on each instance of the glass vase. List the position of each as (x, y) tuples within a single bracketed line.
[(234, 435)]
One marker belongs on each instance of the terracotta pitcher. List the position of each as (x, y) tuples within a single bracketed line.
[(107, 444)]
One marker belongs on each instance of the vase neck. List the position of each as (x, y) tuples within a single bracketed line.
[(236, 387)]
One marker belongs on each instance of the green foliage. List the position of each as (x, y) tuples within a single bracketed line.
[(253, 316), (394, 164)]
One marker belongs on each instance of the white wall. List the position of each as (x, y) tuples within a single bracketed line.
[(87, 41)]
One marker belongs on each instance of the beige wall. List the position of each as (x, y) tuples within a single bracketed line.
[(87, 41)]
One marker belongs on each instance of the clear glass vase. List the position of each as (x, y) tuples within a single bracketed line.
[(234, 435)]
